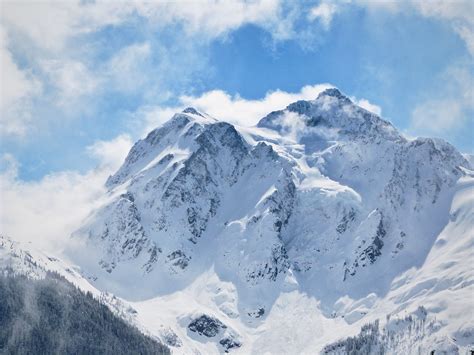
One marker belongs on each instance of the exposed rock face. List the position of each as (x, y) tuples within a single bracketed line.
[(229, 343), (212, 327), (370, 248), (206, 326), (170, 338)]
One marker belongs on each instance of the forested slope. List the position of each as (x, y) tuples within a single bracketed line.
[(52, 316)]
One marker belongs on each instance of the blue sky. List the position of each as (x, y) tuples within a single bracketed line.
[(81, 81)]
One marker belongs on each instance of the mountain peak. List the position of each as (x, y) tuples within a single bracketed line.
[(334, 92), (333, 110), (192, 111), (333, 193)]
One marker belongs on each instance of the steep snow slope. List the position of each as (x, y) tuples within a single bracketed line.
[(287, 236), (431, 307)]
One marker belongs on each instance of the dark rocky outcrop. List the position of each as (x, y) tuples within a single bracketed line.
[(207, 326)]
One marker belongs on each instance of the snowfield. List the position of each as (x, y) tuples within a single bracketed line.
[(322, 229)]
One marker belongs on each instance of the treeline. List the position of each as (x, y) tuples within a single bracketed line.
[(52, 316), (400, 335), (368, 341)]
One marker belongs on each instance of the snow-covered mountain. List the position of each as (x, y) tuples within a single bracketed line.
[(290, 236)]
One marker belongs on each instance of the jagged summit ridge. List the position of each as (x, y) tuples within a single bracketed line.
[(193, 111), (169, 135), (334, 92)]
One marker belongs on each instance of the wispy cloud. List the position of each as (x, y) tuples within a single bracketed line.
[(47, 211), (459, 14), (127, 64), (449, 106), (72, 80), (110, 154), (366, 104), (17, 87), (324, 12)]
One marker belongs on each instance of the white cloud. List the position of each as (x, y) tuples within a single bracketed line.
[(111, 154), (16, 89), (150, 117), (324, 12), (125, 69), (245, 112), (51, 23), (47, 211), (215, 18), (366, 104), (466, 32), (458, 13), (450, 105), (9, 167), (72, 80), (438, 116), (19, 83)]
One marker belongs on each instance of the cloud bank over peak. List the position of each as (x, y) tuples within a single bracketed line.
[(247, 112), (236, 109), (56, 204)]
